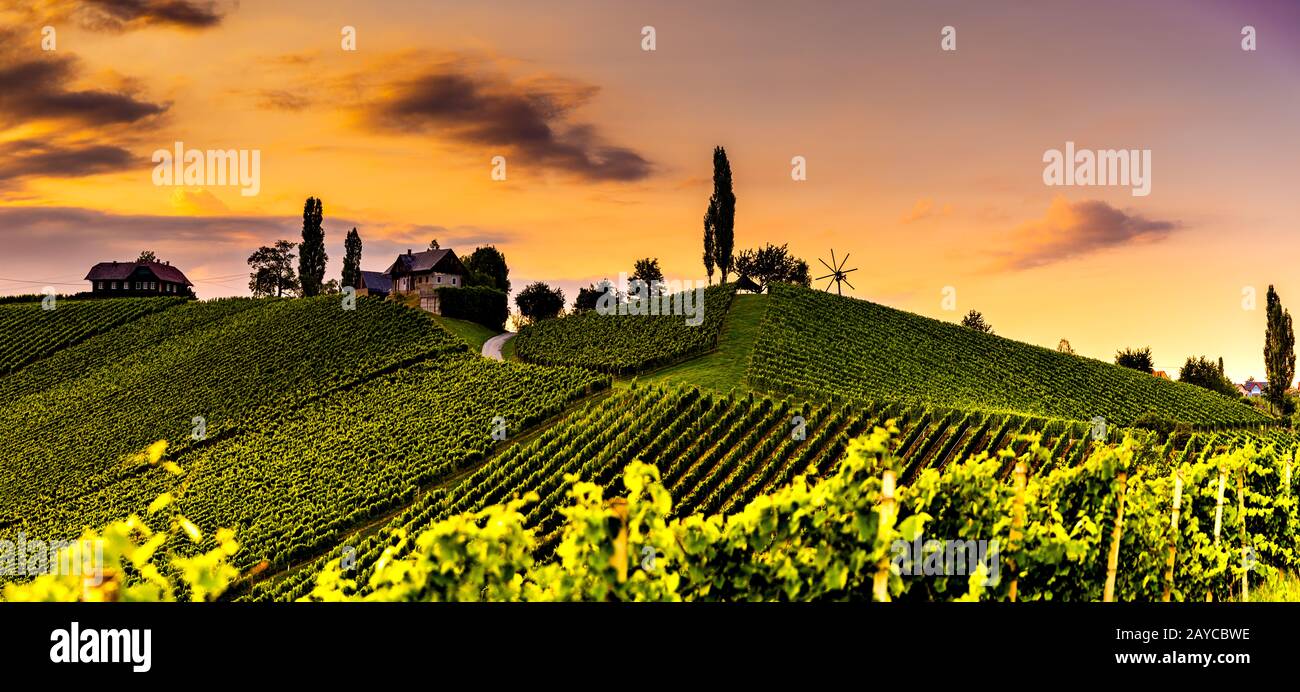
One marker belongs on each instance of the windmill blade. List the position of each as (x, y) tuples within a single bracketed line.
[(850, 285), (825, 265), (828, 285), (845, 260), (823, 277), (846, 271), (833, 259)]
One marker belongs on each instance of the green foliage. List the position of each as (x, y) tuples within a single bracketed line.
[(540, 302), (770, 264), (1279, 351), (487, 267), (311, 251), (975, 320), (1207, 374), (624, 344), (1136, 359), (722, 214), (484, 305), (819, 344), (28, 332), (272, 271), (352, 259)]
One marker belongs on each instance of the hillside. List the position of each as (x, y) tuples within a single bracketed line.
[(818, 344), (314, 419), (717, 452)]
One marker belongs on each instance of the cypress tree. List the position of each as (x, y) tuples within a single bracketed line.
[(311, 253), (352, 259), (723, 203), (708, 240), (1279, 350)]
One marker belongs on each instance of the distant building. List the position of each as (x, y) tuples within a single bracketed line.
[(133, 279), (375, 284), (1252, 388), (424, 272)]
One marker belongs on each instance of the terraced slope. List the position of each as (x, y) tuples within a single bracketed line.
[(624, 344), (716, 452), (818, 344), (28, 332)]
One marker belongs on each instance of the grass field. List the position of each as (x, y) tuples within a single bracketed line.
[(471, 333), (724, 368)]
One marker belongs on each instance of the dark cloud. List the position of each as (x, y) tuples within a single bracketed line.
[(529, 119), (25, 157), (1077, 229), (38, 88), (283, 100), (128, 15)]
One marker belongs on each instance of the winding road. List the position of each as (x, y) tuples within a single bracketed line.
[(492, 347)]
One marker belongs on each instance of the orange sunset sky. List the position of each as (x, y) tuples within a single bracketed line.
[(926, 165)]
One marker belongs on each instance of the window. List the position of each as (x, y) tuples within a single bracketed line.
[(99, 285), (114, 285), (153, 285), (440, 278)]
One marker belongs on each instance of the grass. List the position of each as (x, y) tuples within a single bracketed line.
[(723, 368), (508, 351), (471, 333), (1284, 588)]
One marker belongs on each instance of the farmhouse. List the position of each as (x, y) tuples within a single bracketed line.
[(123, 279), (423, 273), (1252, 388)]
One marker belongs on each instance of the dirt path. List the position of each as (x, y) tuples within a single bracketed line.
[(492, 347)]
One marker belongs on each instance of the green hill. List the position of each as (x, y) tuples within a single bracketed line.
[(818, 344)]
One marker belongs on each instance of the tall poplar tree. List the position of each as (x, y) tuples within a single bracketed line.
[(708, 240), (1279, 351), (723, 204), (311, 252), (352, 259)]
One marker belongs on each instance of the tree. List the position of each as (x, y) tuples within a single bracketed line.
[(311, 253), (770, 264), (433, 244), (487, 267), (1205, 373), (1279, 351), (708, 239), (331, 287), (273, 270), (1136, 359), (975, 320), (587, 297), (539, 302), (352, 259), (646, 271), (1221, 372), (147, 256), (1065, 347), (723, 206)]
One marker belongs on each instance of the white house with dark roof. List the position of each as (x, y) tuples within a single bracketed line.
[(130, 279), (424, 272)]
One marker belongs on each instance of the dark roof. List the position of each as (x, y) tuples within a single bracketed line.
[(430, 260), (376, 281), (124, 270), (744, 283)]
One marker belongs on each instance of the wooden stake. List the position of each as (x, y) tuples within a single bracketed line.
[(1112, 559), (1017, 523), (1241, 514), (1173, 536), (1286, 482), (1218, 506), (880, 587)]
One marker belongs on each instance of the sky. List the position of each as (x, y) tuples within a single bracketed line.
[(924, 165)]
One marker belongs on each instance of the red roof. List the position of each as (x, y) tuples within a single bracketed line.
[(124, 270)]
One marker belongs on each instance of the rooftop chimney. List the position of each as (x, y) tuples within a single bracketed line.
[(408, 250)]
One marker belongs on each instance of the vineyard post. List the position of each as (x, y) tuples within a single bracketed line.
[(1286, 482), (1173, 535), (1017, 523), (1218, 521), (1241, 513), (880, 588), (1112, 559)]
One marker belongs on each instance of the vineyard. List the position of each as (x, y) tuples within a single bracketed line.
[(624, 344), (816, 344), (29, 332), (717, 452)]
